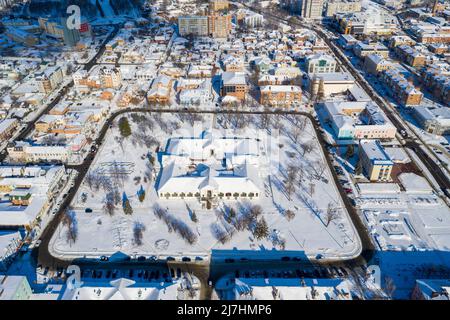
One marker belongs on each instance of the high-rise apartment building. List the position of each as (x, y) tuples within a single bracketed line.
[(214, 25), (193, 25), (309, 9)]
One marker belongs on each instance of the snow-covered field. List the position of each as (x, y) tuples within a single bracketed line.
[(314, 196)]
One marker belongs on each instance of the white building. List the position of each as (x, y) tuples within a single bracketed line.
[(27, 192), (327, 84), (358, 120), (125, 289), (49, 79), (198, 96), (321, 63), (14, 288), (283, 289), (9, 245), (210, 168), (23, 152), (250, 18)]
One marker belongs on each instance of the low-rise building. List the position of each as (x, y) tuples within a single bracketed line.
[(10, 241), (395, 41), (410, 55), (24, 152), (290, 72), (320, 63), (327, 84), (270, 79), (37, 185), (437, 81), (374, 64), (369, 22), (433, 120), (375, 162), (160, 90), (100, 77), (347, 41), (280, 95), (358, 120), (233, 64), (402, 90), (196, 96), (126, 289), (362, 49), (234, 84), (14, 288), (210, 168), (49, 79), (7, 128), (284, 289)]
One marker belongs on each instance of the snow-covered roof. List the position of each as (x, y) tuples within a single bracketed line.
[(223, 164), (123, 289), (233, 78), (291, 289), (414, 183)]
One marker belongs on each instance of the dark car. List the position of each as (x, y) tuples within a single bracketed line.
[(141, 258), (186, 259), (88, 210)]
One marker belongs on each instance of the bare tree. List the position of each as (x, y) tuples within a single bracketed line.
[(291, 177), (289, 214), (70, 221), (295, 134), (175, 224), (307, 147), (331, 214), (312, 189), (109, 207), (319, 169), (138, 233), (261, 230), (256, 211)]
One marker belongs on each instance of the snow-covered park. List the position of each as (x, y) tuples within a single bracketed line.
[(297, 212)]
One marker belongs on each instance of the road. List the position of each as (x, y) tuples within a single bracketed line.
[(205, 271), (409, 141), (201, 270), (62, 93)]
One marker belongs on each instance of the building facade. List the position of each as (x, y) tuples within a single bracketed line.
[(320, 63), (280, 95), (375, 162)]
